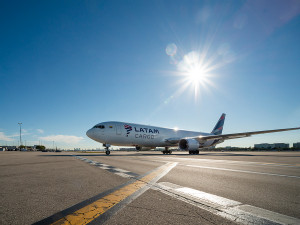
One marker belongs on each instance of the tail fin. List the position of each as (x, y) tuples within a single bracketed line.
[(219, 126)]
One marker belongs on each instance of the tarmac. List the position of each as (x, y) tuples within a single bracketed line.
[(150, 188)]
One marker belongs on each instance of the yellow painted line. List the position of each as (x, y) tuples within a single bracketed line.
[(92, 211)]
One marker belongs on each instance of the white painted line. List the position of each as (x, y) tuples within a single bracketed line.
[(104, 165), (124, 175), (121, 170), (243, 171), (208, 197), (117, 171), (269, 215), (226, 208)]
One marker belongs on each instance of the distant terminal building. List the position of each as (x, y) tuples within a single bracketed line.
[(271, 146), (281, 145), (263, 146), (296, 145)]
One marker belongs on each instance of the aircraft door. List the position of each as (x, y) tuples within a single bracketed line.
[(119, 129)]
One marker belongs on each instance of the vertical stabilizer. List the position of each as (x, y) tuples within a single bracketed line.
[(219, 126)]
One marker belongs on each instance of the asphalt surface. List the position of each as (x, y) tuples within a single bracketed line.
[(37, 185)]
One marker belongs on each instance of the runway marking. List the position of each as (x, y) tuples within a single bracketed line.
[(99, 209), (243, 171), (226, 208), (232, 162), (208, 197), (112, 169)]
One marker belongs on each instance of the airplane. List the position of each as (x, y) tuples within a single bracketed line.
[(145, 137)]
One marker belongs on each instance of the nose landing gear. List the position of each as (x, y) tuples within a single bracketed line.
[(107, 151)]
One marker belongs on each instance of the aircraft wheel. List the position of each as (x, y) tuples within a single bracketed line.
[(107, 152), (170, 152)]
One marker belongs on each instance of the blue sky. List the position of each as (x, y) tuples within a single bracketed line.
[(65, 66)]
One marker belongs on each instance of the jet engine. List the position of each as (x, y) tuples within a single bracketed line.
[(189, 144)]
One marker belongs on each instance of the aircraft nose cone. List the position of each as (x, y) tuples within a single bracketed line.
[(89, 133)]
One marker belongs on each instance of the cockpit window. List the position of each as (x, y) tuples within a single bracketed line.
[(99, 126)]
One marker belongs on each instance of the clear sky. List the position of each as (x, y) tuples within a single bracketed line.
[(67, 65)]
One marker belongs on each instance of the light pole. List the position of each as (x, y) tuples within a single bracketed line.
[(20, 133)]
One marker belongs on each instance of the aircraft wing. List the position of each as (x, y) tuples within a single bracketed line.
[(172, 141), (228, 136), (240, 135)]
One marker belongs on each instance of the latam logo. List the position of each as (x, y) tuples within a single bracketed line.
[(128, 128), (146, 130)]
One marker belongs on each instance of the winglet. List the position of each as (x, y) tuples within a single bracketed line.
[(219, 126)]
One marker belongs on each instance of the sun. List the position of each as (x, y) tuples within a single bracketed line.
[(194, 73)]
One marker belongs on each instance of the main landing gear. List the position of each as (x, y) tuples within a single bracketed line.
[(167, 151), (194, 152)]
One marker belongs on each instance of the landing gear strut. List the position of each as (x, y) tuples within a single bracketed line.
[(167, 151)]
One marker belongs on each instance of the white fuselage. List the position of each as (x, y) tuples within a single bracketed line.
[(131, 134)]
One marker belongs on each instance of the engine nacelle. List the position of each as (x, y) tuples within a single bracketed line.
[(189, 144), (140, 148)]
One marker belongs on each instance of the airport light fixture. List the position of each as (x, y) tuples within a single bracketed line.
[(20, 133)]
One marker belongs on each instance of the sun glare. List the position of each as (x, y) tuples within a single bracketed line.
[(197, 69)]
